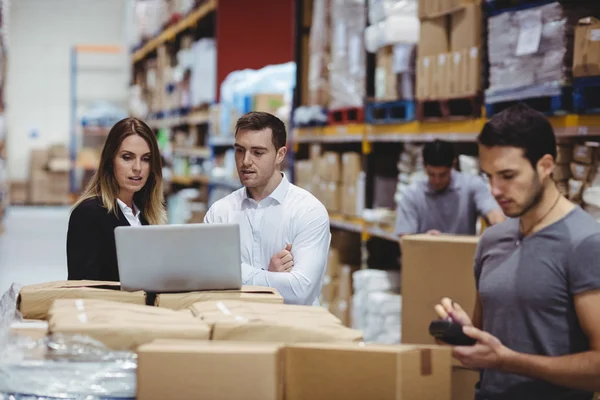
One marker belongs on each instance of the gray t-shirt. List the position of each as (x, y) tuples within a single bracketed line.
[(453, 211), (527, 291)]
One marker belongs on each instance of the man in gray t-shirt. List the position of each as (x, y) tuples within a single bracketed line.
[(537, 315), (448, 201)]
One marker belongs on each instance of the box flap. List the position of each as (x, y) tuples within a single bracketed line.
[(588, 21), (441, 238)]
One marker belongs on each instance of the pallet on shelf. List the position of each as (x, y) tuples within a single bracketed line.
[(346, 115), (495, 7), (468, 107), (390, 112), (560, 104), (586, 96)]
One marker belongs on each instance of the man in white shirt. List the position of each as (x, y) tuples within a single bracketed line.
[(284, 229)]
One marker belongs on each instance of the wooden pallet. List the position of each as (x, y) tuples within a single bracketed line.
[(450, 109), (495, 7), (586, 95), (390, 112), (550, 105), (347, 115)]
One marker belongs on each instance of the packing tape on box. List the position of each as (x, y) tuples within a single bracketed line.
[(226, 311)]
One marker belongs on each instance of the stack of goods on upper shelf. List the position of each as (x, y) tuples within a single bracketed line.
[(576, 175), (4, 189), (49, 176), (336, 66), (531, 56), (410, 169), (172, 84), (377, 305), (449, 58), (150, 17), (268, 89), (188, 206), (335, 179), (336, 293), (393, 34)]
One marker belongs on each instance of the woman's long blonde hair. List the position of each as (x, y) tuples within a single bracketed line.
[(103, 185)]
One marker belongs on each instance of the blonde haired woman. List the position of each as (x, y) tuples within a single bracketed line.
[(126, 190)]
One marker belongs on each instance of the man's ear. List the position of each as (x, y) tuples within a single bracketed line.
[(545, 166), (281, 154)]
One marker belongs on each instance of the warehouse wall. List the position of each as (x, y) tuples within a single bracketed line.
[(42, 33), (253, 34)]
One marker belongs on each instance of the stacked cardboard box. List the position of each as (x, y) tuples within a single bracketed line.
[(336, 294), (586, 58), (433, 268), (319, 48), (449, 53), (531, 51), (347, 71), (303, 371), (583, 170), (49, 176), (335, 179)]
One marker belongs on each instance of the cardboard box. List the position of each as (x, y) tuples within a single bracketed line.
[(329, 291), (581, 172), (122, 326), (466, 27), (331, 166), (473, 81), (434, 37), (330, 371), (33, 329), (442, 76), (586, 58), (178, 301), (351, 167), (562, 172), (349, 200), (269, 103), (385, 79), (434, 267), (246, 321), (564, 154), (192, 370), (35, 301), (458, 73), (463, 383), (425, 74), (585, 153), (330, 192), (333, 263)]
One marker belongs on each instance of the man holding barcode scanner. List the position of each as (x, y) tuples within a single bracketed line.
[(535, 330)]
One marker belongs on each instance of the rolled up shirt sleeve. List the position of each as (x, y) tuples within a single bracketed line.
[(309, 248), (407, 216)]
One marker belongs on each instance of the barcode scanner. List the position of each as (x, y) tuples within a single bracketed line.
[(450, 332)]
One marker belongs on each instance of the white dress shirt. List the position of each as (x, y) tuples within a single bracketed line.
[(288, 215), (133, 216)]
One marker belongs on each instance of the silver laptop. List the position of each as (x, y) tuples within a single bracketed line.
[(179, 258)]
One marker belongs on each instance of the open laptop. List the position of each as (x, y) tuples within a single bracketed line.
[(179, 258)]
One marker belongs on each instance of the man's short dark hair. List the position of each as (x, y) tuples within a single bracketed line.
[(257, 121), (438, 154), (523, 127)]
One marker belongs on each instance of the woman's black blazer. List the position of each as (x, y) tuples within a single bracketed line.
[(91, 250)]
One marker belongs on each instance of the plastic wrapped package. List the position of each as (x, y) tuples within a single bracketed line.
[(240, 86), (531, 51), (366, 282), (380, 10), (348, 65), (8, 308), (468, 164), (384, 315), (397, 29), (65, 367), (203, 87), (319, 54)]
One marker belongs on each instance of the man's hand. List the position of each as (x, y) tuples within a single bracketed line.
[(449, 309), (487, 353), (282, 261), (434, 232)]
